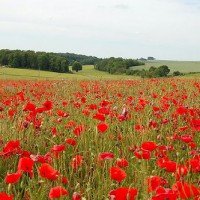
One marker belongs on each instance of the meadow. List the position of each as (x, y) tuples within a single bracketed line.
[(100, 139), (182, 66), (88, 73)]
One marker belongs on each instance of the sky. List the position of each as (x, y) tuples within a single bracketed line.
[(164, 29)]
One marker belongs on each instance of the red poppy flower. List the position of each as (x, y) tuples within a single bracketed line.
[(77, 161), (61, 113), (4, 196), (54, 131), (64, 180), (102, 127), (195, 123), (29, 107), (11, 147), (168, 165), (70, 124), (104, 110), (11, 112), (26, 165), (165, 194), (64, 103), (13, 178), (40, 110), (153, 124), (123, 193), (47, 105), (117, 174), (58, 148), (122, 162), (104, 103), (99, 116), (181, 171), (106, 156), (79, 130), (57, 192), (138, 127), (194, 163), (41, 158), (186, 190), (76, 196), (142, 154), (154, 182), (186, 138), (92, 106), (181, 111), (71, 141), (48, 172), (149, 146)]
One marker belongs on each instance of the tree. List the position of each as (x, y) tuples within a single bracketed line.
[(162, 71), (34, 60), (150, 58), (76, 66), (152, 69), (64, 66), (116, 65), (177, 73), (16, 62)]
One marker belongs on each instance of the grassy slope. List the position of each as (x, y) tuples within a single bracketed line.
[(182, 66), (88, 72)]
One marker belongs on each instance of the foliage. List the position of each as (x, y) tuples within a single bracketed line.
[(84, 60), (76, 66), (34, 60), (116, 65), (153, 72), (150, 58), (177, 73)]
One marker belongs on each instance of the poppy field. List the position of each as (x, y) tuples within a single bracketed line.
[(100, 139)]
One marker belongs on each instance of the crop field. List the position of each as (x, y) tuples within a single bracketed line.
[(182, 66), (100, 139), (88, 72)]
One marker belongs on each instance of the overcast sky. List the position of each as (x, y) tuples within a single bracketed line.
[(165, 29)]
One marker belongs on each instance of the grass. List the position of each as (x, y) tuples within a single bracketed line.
[(182, 66), (88, 72)]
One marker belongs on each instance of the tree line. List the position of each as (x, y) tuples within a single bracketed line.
[(116, 65), (34, 60), (82, 59), (153, 72)]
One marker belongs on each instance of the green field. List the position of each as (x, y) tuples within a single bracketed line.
[(88, 72), (182, 66)]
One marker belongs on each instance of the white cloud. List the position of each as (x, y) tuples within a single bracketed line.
[(166, 29)]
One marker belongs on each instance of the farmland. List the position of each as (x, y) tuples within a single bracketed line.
[(182, 66), (99, 139), (88, 72)]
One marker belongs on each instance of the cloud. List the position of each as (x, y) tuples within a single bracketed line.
[(121, 6), (129, 28)]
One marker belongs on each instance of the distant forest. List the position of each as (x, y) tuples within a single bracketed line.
[(34, 60), (60, 62), (56, 62), (84, 60), (116, 65)]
